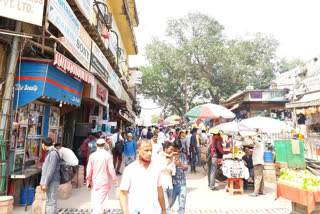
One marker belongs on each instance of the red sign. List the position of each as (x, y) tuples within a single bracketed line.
[(70, 67), (101, 92)]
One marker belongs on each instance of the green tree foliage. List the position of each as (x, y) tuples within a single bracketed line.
[(287, 65), (216, 67)]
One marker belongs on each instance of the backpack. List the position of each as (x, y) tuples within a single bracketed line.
[(66, 171), (119, 146)]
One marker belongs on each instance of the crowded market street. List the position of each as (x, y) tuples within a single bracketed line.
[(199, 200)]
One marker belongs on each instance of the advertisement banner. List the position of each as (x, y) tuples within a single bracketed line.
[(86, 8), (23, 10), (99, 64), (75, 39)]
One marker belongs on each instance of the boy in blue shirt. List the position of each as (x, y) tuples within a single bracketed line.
[(129, 150)]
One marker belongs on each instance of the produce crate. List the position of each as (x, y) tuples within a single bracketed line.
[(300, 209)]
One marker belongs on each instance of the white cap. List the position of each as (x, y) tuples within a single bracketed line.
[(101, 141)]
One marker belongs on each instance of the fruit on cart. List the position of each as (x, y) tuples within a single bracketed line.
[(300, 179)]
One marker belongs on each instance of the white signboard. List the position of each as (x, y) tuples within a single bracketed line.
[(75, 39), (23, 10), (115, 84), (99, 64), (86, 8)]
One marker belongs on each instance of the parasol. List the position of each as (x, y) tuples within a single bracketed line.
[(172, 120), (207, 111), (234, 127), (266, 125)]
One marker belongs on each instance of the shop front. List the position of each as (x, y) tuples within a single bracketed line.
[(97, 98), (42, 93)]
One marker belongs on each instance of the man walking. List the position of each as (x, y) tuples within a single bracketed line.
[(141, 186), (144, 132), (179, 179), (193, 150), (50, 177), (117, 155), (129, 150), (161, 137), (99, 169), (258, 162)]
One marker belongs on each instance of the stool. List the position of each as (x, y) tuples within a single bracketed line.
[(235, 185)]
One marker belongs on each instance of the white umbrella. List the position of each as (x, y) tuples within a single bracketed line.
[(235, 127), (266, 125)]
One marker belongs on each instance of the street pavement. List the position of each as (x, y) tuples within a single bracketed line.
[(199, 200)]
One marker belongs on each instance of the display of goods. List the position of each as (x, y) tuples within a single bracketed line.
[(300, 179)]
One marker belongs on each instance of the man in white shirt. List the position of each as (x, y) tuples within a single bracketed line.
[(67, 155), (141, 185), (168, 169), (116, 155), (144, 132), (161, 137), (156, 146), (258, 162)]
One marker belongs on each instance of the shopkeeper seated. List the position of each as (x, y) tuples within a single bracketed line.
[(67, 155), (247, 158)]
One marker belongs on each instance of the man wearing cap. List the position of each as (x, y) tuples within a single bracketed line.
[(129, 150), (99, 169), (258, 162)]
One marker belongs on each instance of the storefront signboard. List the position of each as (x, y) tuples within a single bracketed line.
[(23, 10), (86, 8), (99, 93), (99, 64), (70, 67), (278, 96), (75, 38), (256, 95), (115, 84), (38, 79)]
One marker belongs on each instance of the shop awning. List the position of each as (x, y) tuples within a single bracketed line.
[(235, 106), (306, 101), (43, 80)]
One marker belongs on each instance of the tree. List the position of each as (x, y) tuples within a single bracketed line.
[(216, 67), (155, 118), (287, 65)]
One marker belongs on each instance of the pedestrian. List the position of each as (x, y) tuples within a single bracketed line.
[(204, 137), (129, 150), (229, 142), (149, 134), (99, 169), (215, 152), (99, 134), (168, 169), (161, 136), (156, 147), (198, 148), (50, 176), (67, 155), (258, 162), (141, 186), (188, 139), (117, 154), (144, 132), (193, 150), (171, 138), (92, 144), (84, 152), (247, 158), (179, 179)]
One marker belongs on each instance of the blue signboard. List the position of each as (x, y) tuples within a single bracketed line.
[(38, 79)]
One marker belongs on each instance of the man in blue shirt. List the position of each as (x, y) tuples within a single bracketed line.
[(179, 180), (129, 150), (247, 158)]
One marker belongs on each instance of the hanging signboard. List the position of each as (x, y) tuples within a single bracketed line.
[(86, 8), (75, 39), (99, 63), (115, 84), (70, 67), (23, 10)]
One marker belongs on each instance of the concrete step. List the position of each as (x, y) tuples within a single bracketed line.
[(199, 211)]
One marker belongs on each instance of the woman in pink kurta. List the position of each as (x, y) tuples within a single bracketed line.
[(99, 169)]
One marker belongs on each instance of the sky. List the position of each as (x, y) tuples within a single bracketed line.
[(294, 23)]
